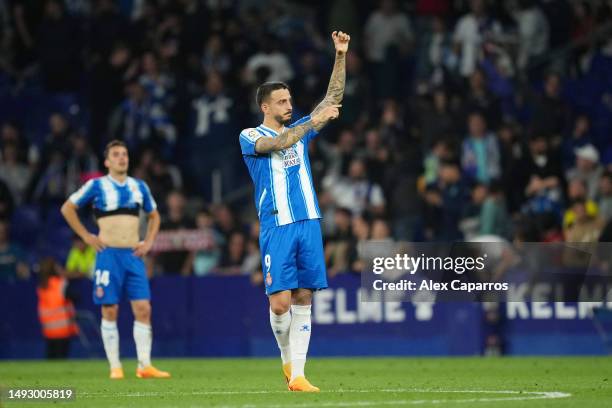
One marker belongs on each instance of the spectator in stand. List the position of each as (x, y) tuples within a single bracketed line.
[(270, 58), (225, 220), (550, 111), (533, 31), (541, 177), (376, 155), (337, 245), (480, 157), (57, 141), (437, 56), (51, 186), (138, 120), (444, 204), (470, 224), (356, 101), (233, 255), (211, 131), (361, 234), (312, 83), (605, 196), (471, 31), (157, 85), (480, 99), (585, 228), (338, 155), (206, 261), (511, 153), (579, 137), (436, 120), (11, 135), (180, 261), (82, 163), (12, 259), (587, 168), (440, 151), (381, 230), (252, 262), (388, 39), (14, 173), (494, 217), (577, 191), (215, 57), (81, 260), (357, 193)]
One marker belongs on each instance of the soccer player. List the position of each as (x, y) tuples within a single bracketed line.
[(276, 154), (117, 200)]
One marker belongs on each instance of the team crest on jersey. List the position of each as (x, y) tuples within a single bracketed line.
[(268, 279), (99, 292), (290, 157), (252, 135)]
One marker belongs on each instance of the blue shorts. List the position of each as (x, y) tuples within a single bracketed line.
[(292, 257), (119, 270)]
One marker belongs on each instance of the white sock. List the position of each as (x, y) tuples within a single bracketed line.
[(110, 338), (280, 327), (299, 337), (143, 337)]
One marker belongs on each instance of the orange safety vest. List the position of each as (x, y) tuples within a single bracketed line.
[(56, 313)]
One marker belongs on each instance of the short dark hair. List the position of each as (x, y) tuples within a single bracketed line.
[(265, 89), (111, 144)]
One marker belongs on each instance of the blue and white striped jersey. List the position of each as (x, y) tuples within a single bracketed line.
[(111, 197), (284, 192)]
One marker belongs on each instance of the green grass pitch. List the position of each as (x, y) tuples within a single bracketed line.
[(362, 382)]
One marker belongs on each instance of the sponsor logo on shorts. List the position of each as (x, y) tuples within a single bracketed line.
[(100, 291), (268, 279)]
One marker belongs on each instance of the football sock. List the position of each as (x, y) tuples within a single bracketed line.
[(299, 337), (143, 338), (280, 327), (110, 338)]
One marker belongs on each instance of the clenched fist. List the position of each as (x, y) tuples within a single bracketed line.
[(341, 41)]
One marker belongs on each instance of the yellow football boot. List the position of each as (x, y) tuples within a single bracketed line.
[(116, 373), (151, 372), (301, 384)]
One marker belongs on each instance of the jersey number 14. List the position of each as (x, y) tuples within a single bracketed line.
[(102, 277)]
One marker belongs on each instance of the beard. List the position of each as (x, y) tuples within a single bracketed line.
[(281, 119)]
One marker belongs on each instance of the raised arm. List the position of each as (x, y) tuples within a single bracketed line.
[(335, 89), (324, 112)]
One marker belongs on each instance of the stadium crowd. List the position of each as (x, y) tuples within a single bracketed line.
[(461, 119)]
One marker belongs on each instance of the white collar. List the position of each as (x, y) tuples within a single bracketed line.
[(117, 181), (270, 129)]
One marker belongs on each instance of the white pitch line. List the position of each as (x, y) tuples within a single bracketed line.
[(532, 396), (516, 396)]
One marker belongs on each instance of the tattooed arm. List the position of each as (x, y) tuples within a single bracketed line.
[(289, 136), (335, 89)]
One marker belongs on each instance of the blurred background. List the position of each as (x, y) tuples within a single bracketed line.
[(461, 120)]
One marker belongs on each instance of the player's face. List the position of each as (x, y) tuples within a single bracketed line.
[(279, 106), (117, 160)]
